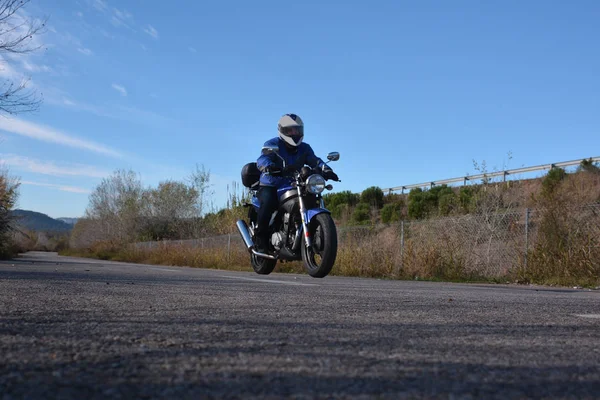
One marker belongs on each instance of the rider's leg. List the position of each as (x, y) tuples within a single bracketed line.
[(267, 196)]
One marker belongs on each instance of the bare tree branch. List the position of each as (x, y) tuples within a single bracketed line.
[(17, 37)]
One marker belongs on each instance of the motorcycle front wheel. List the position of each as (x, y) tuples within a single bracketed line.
[(320, 256)]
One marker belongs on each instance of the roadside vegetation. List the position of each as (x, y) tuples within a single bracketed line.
[(468, 233)]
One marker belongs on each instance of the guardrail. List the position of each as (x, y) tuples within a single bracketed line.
[(504, 174)]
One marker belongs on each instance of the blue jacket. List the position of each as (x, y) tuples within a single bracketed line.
[(303, 156)]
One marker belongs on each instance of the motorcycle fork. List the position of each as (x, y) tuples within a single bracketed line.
[(303, 216)]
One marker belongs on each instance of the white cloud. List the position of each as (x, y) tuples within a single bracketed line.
[(72, 189), (51, 168), (29, 66), (100, 5), (122, 15), (85, 51), (106, 34), (119, 89), (150, 30), (47, 134), (8, 71), (122, 18)]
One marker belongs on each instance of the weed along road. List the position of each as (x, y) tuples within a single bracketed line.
[(75, 328)]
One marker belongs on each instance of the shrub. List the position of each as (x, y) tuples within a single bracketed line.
[(552, 179), (361, 214), (392, 212), (372, 196), (346, 197)]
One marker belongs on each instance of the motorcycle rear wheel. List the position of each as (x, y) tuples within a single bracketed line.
[(261, 265), (320, 256)]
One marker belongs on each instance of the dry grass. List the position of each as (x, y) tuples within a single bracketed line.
[(489, 245)]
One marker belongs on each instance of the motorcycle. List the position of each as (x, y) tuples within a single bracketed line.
[(300, 229)]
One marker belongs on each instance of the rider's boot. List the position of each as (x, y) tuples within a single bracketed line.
[(261, 241)]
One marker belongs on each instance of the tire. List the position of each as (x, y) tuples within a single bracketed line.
[(320, 257), (262, 266)]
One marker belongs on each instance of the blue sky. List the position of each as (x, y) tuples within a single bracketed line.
[(407, 92)]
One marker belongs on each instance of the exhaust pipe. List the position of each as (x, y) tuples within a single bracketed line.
[(243, 228)]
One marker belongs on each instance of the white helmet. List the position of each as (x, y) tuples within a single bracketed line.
[(291, 129)]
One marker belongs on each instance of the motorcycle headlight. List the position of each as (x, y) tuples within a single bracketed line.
[(315, 184)]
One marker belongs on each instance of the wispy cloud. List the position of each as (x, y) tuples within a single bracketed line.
[(122, 18), (29, 66), (72, 189), (79, 14), (150, 30), (100, 5), (106, 34), (51, 168), (85, 51), (47, 134), (60, 98), (119, 89), (192, 50)]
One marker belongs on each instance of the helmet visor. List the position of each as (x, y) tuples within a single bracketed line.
[(295, 132)]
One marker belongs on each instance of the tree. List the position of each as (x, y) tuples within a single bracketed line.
[(392, 212), (17, 35), (199, 179), (116, 204), (589, 166), (345, 197), (169, 210), (8, 198), (372, 196)]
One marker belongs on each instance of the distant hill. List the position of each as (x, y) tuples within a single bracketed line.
[(35, 221), (70, 221)]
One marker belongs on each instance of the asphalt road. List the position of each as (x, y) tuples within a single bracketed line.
[(85, 329)]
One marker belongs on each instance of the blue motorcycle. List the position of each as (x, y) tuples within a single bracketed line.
[(300, 229)]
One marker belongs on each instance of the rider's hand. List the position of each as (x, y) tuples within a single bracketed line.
[(273, 169), (329, 174), (289, 169)]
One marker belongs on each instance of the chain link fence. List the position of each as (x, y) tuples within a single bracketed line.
[(488, 246)]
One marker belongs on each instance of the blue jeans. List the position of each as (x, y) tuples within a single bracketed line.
[(267, 196)]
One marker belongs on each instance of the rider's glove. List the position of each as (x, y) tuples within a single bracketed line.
[(329, 174), (289, 169), (273, 169)]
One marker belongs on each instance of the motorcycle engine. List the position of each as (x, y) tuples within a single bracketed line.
[(277, 240)]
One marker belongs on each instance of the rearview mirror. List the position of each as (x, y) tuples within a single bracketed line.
[(333, 156), (270, 149)]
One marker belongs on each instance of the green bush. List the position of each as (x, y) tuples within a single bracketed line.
[(346, 197), (361, 214), (448, 203), (465, 198), (339, 210), (424, 203), (552, 179), (589, 166), (372, 196), (392, 212)]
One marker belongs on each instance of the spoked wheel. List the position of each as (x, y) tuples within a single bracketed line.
[(319, 258)]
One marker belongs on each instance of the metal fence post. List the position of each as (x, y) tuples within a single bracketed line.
[(401, 248), (526, 235), (229, 247)]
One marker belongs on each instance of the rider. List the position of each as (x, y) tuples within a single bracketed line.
[(273, 176)]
